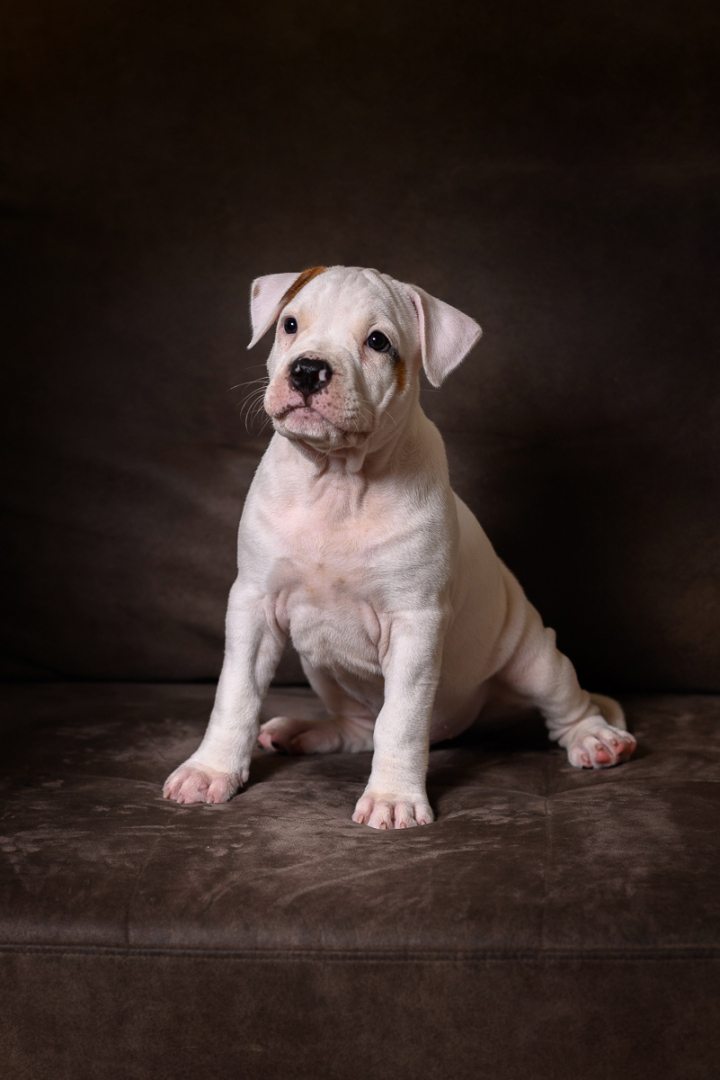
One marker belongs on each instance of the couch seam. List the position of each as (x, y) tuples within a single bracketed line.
[(450, 956)]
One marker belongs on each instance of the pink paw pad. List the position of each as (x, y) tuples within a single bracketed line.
[(601, 748)]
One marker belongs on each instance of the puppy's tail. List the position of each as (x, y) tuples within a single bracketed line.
[(611, 710)]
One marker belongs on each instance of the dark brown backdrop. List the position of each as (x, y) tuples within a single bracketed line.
[(551, 168)]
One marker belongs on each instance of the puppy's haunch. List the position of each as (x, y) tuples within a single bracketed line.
[(353, 543)]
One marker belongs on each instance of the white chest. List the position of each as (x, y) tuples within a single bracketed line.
[(332, 610)]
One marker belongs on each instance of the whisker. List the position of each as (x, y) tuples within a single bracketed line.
[(264, 379), (252, 405), (250, 402)]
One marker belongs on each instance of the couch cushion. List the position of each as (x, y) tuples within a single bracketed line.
[(592, 891)]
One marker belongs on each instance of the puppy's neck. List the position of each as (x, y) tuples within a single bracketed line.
[(334, 489), (340, 489)]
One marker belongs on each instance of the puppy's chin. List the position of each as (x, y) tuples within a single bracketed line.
[(308, 426)]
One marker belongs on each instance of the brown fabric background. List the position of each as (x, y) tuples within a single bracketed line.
[(554, 923), (527, 853), (550, 168), (157, 1017)]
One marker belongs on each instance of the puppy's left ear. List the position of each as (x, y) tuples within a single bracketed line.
[(446, 334), (270, 294)]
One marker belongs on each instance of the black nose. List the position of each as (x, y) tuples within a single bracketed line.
[(308, 376)]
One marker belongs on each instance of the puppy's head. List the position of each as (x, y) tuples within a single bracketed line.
[(348, 348)]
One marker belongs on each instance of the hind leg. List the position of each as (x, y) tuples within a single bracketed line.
[(590, 727), (349, 727), (335, 734)]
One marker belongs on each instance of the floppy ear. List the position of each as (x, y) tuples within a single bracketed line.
[(270, 294), (446, 335), (266, 294)]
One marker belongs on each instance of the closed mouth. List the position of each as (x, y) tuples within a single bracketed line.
[(305, 411), (308, 413), (295, 408)]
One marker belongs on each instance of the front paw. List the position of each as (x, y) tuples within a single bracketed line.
[(195, 783), (381, 810)]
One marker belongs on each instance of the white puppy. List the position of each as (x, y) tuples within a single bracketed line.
[(353, 542)]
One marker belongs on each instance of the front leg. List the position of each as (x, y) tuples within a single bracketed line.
[(395, 796), (221, 764)]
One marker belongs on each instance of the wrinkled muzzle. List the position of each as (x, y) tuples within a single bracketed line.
[(315, 397)]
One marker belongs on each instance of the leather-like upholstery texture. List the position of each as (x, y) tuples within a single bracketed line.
[(550, 169), (548, 909)]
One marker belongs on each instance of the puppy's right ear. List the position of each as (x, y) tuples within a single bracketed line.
[(266, 301), (270, 294)]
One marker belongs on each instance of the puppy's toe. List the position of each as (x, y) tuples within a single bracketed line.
[(603, 747), (381, 816), (381, 811), (221, 789), (194, 784), (404, 816)]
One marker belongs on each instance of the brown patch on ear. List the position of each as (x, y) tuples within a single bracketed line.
[(300, 282), (400, 375)]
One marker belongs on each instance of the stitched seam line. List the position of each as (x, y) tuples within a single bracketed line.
[(523, 956)]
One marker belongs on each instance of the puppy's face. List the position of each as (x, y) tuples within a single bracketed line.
[(345, 360)]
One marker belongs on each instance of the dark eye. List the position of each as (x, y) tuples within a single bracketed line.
[(290, 326), (378, 342)]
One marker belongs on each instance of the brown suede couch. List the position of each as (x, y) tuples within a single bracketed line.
[(553, 171)]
